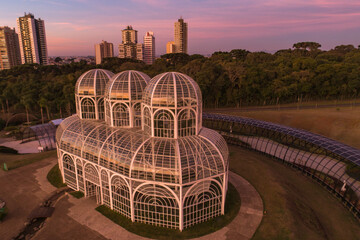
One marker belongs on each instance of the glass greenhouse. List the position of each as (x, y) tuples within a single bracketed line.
[(145, 154)]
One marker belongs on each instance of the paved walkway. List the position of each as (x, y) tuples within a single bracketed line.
[(26, 188), (242, 227), (20, 190)]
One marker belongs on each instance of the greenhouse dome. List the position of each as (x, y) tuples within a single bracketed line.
[(172, 106), (89, 93), (123, 97), (151, 176)]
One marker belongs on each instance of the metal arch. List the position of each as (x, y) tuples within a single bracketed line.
[(97, 170), (217, 150), (118, 175), (157, 184), (134, 156), (200, 181)]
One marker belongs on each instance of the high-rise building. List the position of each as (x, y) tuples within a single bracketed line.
[(170, 47), (129, 48), (149, 48), (9, 48), (181, 36), (103, 50), (32, 40)]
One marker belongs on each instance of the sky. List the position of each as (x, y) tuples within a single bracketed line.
[(73, 27)]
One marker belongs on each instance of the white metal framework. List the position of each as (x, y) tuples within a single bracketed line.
[(123, 97), (89, 93), (171, 173)]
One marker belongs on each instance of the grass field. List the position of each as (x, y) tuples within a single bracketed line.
[(296, 206), (17, 160), (341, 124)]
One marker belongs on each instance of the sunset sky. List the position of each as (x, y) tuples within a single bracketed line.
[(73, 27)]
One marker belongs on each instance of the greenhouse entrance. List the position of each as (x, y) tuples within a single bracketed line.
[(93, 190)]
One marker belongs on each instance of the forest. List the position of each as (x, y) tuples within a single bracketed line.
[(227, 79)]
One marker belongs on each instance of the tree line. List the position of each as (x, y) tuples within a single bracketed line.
[(227, 79)]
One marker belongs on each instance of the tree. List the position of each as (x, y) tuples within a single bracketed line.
[(312, 46), (58, 59)]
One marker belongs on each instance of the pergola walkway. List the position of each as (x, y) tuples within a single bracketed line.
[(321, 163)]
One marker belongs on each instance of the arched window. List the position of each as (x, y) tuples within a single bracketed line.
[(105, 187), (147, 121), (187, 123), (156, 205), (163, 124), (137, 114), (69, 171), (101, 108), (87, 109), (121, 115), (107, 112), (92, 174), (202, 202), (120, 196), (79, 167)]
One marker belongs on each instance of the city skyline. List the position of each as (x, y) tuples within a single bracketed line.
[(219, 26)]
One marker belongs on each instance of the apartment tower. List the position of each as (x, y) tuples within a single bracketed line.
[(149, 48), (170, 47), (129, 48), (9, 48), (181, 36), (32, 40), (103, 50)]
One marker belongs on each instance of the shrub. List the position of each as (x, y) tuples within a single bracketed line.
[(2, 124), (3, 213), (4, 149), (77, 194)]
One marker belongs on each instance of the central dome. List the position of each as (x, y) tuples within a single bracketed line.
[(127, 85), (172, 89), (123, 97)]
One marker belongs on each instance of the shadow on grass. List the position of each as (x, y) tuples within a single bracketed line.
[(232, 208), (77, 194), (55, 178)]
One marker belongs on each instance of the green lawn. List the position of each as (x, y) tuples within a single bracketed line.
[(296, 206), (18, 160), (232, 208), (55, 178), (77, 194)]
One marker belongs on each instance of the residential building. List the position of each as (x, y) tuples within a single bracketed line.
[(9, 48), (181, 36), (130, 48), (103, 50), (170, 47), (32, 40), (149, 48)]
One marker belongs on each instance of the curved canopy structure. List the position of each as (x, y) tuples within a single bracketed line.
[(141, 157), (347, 152), (44, 133)]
